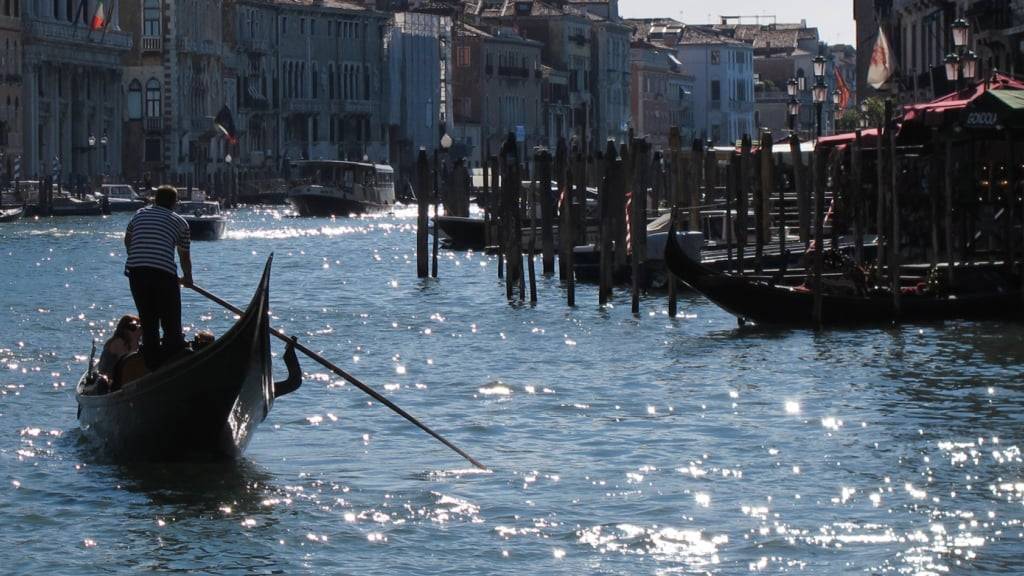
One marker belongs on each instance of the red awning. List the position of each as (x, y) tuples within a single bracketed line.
[(868, 138)]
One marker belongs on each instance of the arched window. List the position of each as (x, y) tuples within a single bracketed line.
[(135, 100), (153, 98)]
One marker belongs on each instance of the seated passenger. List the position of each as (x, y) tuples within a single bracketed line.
[(125, 341)]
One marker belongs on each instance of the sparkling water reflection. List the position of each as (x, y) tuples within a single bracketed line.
[(619, 445)]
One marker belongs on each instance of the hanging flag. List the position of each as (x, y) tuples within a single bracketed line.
[(226, 124), (844, 92), (882, 66), (99, 18)]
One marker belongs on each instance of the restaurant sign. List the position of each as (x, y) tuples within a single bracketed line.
[(982, 119)]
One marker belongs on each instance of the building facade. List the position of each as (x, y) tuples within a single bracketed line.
[(419, 53), (11, 126), (723, 94), (71, 98), (660, 93), (498, 88), (175, 82)]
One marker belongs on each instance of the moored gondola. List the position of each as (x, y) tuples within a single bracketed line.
[(763, 303), (206, 403)]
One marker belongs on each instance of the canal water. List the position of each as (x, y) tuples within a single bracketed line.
[(618, 444)]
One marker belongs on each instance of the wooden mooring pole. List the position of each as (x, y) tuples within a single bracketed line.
[(803, 204), (674, 142), (422, 214), (857, 197), (436, 197), (542, 162), (819, 231)]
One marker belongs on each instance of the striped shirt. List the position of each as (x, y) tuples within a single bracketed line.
[(153, 234)]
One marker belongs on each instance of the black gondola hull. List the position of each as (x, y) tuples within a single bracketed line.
[(208, 403), (780, 305), (462, 231)]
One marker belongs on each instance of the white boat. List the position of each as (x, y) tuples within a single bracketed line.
[(205, 220), (121, 197)]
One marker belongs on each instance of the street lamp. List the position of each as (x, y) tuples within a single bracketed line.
[(819, 66), (820, 90), (793, 108), (961, 64), (820, 96), (960, 32)]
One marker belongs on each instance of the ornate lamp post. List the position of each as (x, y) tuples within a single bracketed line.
[(820, 90), (962, 63), (793, 106)]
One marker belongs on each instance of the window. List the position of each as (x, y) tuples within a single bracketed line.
[(716, 90), (316, 80), (151, 18), (716, 57), (284, 25), (153, 150), (135, 100), (153, 98), (302, 26), (463, 57)]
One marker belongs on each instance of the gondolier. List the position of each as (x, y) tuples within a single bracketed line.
[(151, 239)]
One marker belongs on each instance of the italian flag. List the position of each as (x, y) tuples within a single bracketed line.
[(99, 19)]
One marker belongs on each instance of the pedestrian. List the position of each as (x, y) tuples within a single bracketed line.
[(152, 237)]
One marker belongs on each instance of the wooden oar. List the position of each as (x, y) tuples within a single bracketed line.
[(352, 379)]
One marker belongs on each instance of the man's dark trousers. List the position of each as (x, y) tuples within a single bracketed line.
[(158, 299)]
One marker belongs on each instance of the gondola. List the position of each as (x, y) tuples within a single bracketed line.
[(462, 231), (763, 303), (206, 403)]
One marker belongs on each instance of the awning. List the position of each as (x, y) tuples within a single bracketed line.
[(994, 110), (868, 137), (942, 110)]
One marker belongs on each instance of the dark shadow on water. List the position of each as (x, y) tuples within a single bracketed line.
[(197, 488), (187, 488)]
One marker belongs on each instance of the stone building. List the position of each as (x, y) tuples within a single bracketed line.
[(587, 42), (174, 84), (11, 50), (419, 51), (497, 87), (660, 93), (723, 94), (784, 51), (331, 80), (71, 99)]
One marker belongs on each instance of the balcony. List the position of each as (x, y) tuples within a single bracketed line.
[(201, 47), (154, 124), (152, 44), (259, 45), (303, 106), (352, 107), (73, 33)]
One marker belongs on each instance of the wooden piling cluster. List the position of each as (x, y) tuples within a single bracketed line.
[(832, 188)]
